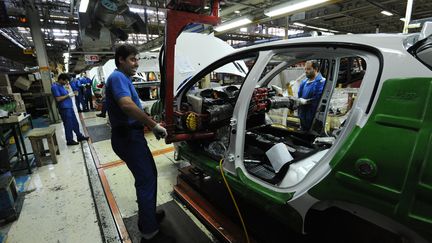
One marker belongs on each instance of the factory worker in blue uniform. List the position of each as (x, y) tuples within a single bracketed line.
[(88, 95), (65, 106), (75, 85), (127, 120), (309, 94)]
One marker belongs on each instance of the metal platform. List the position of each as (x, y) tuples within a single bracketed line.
[(216, 221)]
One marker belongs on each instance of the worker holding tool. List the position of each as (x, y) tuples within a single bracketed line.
[(309, 94)]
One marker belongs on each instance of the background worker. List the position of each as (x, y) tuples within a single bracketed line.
[(64, 102), (309, 94), (75, 85), (127, 120), (103, 102), (88, 93), (86, 87)]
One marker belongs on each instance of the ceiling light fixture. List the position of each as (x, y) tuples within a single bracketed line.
[(83, 6), (317, 28), (386, 13), (12, 39), (233, 24), (299, 24), (138, 10), (291, 7)]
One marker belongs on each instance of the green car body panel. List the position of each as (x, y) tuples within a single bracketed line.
[(397, 140)]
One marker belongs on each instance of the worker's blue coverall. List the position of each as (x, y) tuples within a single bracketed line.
[(88, 96), (312, 90), (81, 93), (67, 113), (129, 143), (75, 85)]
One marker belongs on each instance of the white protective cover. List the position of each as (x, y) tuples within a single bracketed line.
[(196, 51), (193, 52)]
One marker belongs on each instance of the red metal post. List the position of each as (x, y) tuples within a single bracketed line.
[(176, 21)]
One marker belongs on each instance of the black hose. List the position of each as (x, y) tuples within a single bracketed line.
[(162, 65)]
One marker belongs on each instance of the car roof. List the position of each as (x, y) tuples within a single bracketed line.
[(383, 42)]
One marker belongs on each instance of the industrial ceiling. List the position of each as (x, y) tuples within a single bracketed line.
[(65, 29)]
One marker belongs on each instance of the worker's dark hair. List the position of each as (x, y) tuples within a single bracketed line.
[(314, 64), (124, 51), (63, 76)]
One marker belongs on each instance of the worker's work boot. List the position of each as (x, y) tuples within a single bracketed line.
[(83, 138), (160, 215), (72, 143)]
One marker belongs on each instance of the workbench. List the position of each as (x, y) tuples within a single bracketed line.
[(11, 127)]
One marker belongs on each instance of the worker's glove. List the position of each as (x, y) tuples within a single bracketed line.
[(159, 131), (303, 101), (71, 94)]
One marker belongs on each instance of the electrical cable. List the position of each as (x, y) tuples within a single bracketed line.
[(234, 201)]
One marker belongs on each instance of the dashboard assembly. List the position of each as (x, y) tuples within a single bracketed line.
[(203, 120)]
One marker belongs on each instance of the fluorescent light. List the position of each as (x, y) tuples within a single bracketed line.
[(59, 34), (291, 7), (61, 39), (58, 16), (316, 28), (387, 13), (402, 19), (417, 25), (155, 49), (12, 39), (137, 10), (83, 6), (233, 24), (237, 11), (299, 24)]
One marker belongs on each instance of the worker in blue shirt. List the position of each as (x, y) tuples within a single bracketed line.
[(127, 120), (309, 94), (64, 102), (81, 92), (88, 95), (75, 85)]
